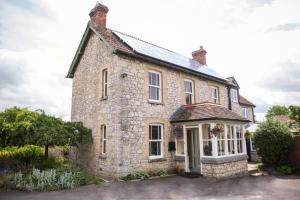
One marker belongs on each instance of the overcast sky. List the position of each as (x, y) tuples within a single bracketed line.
[(256, 41)]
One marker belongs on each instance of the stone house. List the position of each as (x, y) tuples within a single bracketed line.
[(152, 109)]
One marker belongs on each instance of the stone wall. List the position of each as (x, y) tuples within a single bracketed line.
[(236, 107), (228, 169), (126, 111)]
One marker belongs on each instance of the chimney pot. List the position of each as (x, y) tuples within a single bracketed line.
[(200, 55), (98, 16)]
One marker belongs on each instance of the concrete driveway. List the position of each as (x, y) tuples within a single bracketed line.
[(176, 187)]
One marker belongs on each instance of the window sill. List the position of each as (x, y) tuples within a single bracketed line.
[(151, 160), (102, 157), (155, 102), (103, 98)]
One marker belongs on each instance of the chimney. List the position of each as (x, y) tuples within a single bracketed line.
[(98, 16), (200, 55)]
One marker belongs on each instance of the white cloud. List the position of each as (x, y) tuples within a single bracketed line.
[(40, 38)]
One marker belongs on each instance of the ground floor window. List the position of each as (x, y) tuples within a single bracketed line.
[(103, 139), (221, 139), (179, 144), (155, 141)]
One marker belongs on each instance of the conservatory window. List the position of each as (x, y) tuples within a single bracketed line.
[(239, 139), (230, 139), (207, 140)]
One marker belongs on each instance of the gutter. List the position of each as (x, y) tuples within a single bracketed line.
[(211, 118)]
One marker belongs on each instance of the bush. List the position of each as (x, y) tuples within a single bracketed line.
[(273, 142), (285, 169), (137, 175), (21, 157), (162, 173)]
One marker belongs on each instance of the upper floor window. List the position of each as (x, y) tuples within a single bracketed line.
[(215, 94), (154, 86), (155, 141), (104, 83), (234, 95), (245, 112), (189, 91), (103, 139)]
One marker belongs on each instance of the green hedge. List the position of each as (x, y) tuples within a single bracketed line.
[(274, 143), (21, 157)]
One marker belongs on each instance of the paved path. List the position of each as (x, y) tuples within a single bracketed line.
[(263, 187)]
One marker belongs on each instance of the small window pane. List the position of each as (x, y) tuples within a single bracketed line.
[(207, 148), (154, 93), (180, 147)]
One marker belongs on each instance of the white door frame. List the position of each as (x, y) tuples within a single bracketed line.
[(186, 157)]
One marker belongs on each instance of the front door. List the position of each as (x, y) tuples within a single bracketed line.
[(193, 149)]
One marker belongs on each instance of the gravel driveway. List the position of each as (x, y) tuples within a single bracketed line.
[(176, 187)]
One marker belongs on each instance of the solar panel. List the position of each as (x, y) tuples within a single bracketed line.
[(162, 54)]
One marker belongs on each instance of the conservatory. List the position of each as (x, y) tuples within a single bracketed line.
[(210, 139)]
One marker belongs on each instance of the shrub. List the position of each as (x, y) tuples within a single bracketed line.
[(53, 179), (22, 157), (162, 173), (273, 142), (137, 175), (285, 169)]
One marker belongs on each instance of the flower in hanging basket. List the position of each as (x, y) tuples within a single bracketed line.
[(219, 128)]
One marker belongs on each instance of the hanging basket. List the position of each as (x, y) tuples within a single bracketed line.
[(217, 129)]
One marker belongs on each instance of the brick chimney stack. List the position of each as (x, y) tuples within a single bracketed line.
[(98, 16), (200, 55)]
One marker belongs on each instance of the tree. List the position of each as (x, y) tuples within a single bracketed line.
[(273, 142), (19, 126), (295, 113), (277, 110)]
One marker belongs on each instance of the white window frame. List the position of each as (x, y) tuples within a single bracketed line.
[(234, 95), (215, 98), (155, 86), (215, 142), (189, 93), (104, 83), (245, 112), (176, 140), (161, 140), (103, 139)]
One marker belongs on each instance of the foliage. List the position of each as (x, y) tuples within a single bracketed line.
[(295, 113), (23, 157), (273, 142), (45, 180), (285, 169), (162, 173), (137, 175), (19, 126), (277, 110)]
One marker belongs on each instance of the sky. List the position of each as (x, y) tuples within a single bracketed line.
[(256, 41)]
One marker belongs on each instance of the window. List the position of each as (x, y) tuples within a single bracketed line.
[(234, 95), (253, 148), (230, 139), (215, 94), (155, 141), (103, 139), (189, 91), (245, 112), (104, 83), (223, 143), (154, 86), (239, 139), (207, 142), (179, 144)]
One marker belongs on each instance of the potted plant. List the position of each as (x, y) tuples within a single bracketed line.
[(217, 129)]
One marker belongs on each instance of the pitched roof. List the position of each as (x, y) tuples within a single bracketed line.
[(124, 44), (232, 81), (244, 101), (205, 111), (282, 118)]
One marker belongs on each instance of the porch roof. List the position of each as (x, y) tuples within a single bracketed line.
[(205, 111)]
